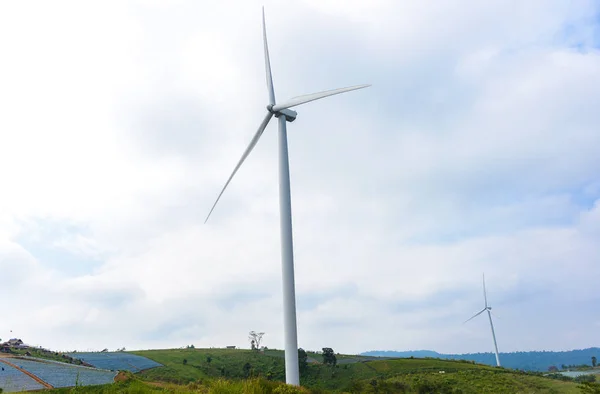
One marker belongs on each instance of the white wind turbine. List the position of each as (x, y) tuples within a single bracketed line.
[(284, 114), (489, 311)]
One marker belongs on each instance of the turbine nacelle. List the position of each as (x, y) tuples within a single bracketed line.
[(290, 115)]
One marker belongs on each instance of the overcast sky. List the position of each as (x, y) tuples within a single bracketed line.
[(476, 149)]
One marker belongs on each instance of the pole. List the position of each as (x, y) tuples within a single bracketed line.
[(494, 336), (292, 371)]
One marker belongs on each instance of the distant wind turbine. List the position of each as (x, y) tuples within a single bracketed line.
[(489, 311), (284, 114)]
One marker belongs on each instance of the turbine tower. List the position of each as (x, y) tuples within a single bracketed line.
[(282, 112), (489, 312)]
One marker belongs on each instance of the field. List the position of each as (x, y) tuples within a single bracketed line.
[(116, 361), (352, 374), (217, 386), (28, 373), (262, 386), (245, 371), (12, 379), (210, 363)]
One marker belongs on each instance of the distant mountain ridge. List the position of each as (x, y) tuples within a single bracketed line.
[(528, 361)]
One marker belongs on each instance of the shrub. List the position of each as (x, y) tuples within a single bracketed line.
[(288, 389), (589, 388), (585, 378), (356, 387), (559, 376), (221, 386)]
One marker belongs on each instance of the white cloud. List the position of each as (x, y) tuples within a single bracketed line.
[(474, 150)]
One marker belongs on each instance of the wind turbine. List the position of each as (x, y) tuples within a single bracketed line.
[(284, 114), (489, 311)]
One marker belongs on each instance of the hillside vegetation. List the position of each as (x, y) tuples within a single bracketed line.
[(529, 361), (46, 355), (263, 386), (203, 366), (215, 386)]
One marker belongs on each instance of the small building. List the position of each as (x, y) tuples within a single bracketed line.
[(14, 342), (230, 347)]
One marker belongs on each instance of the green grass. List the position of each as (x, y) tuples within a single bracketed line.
[(133, 386), (360, 374), (461, 382), (470, 382), (215, 386), (344, 375), (226, 363), (245, 371)]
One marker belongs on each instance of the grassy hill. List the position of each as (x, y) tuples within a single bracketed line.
[(245, 371), (353, 373), (529, 361), (216, 386)]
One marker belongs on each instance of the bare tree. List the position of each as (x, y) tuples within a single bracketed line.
[(255, 338)]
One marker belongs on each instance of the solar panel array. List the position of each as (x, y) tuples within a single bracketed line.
[(11, 380), (60, 374), (64, 375), (116, 361), (54, 373)]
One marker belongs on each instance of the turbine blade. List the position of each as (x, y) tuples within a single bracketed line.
[(314, 96), (255, 139), (475, 315), (484, 293), (268, 62)]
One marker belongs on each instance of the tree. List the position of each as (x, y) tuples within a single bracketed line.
[(208, 359), (329, 356), (255, 338), (552, 368), (594, 361), (302, 360)]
